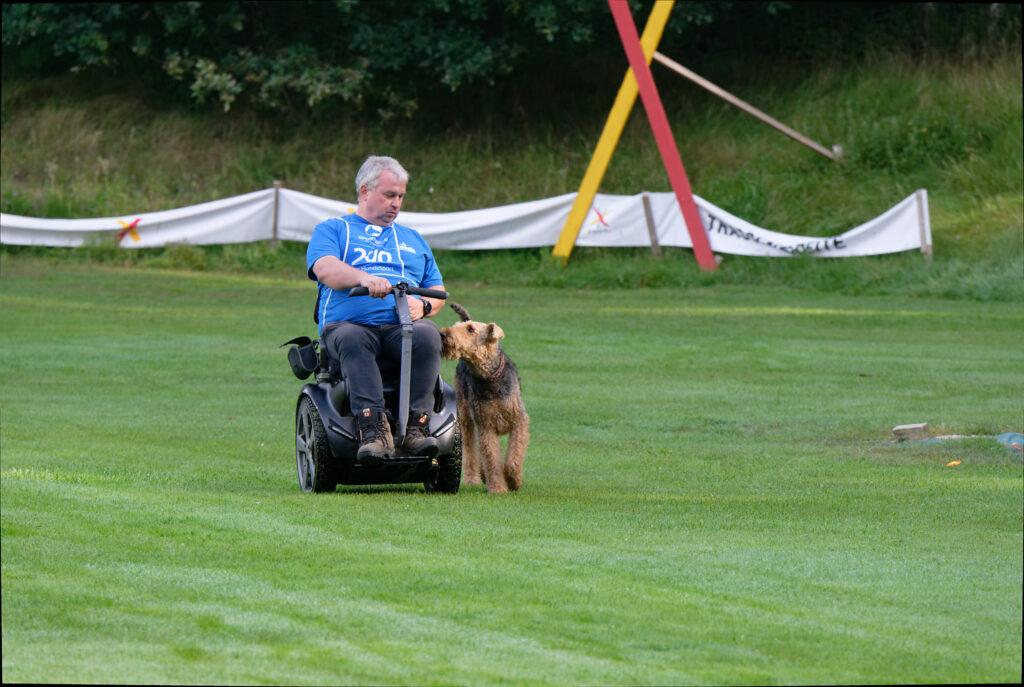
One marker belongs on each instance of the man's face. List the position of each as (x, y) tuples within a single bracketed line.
[(381, 204)]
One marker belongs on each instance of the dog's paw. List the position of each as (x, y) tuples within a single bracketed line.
[(513, 478)]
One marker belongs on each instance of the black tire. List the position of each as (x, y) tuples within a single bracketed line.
[(312, 453), (449, 476)]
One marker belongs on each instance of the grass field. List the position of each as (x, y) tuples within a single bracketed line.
[(711, 494)]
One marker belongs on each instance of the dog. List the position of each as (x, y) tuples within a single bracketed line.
[(489, 402)]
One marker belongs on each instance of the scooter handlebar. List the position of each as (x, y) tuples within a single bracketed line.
[(411, 290), (429, 293)]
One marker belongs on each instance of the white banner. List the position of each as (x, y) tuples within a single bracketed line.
[(613, 221), (239, 219)]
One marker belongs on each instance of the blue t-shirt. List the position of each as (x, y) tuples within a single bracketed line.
[(395, 252)]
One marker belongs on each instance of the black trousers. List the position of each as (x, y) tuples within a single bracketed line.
[(359, 348)]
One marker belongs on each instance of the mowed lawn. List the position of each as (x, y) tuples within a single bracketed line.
[(712, 494)]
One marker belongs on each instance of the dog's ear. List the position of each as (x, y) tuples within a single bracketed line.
[(494, 333)]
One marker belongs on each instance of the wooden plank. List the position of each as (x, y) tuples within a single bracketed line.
[(833, 154)]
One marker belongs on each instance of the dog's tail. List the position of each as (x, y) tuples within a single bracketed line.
[(463, 315)]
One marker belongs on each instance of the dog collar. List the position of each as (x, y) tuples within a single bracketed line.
[(501, 368)]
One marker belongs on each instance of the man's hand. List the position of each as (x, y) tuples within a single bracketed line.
[(379, 287), (341, 276), (415, 308)]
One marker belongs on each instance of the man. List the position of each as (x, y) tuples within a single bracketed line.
[(368, 248)]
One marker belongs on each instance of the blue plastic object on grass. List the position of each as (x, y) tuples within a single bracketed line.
[(1013, 441)]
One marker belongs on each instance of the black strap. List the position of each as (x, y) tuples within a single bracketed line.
[(298, 341)]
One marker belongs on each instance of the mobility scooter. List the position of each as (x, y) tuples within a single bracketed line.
[(326, 434)]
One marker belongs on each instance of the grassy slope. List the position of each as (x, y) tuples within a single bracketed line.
[(718, 504), (953, 127)]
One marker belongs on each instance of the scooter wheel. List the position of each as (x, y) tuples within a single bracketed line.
[(312, 452), (449, 475)]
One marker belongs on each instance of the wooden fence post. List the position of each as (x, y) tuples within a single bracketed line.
[(924, 223), (277, 199), (651, 230)]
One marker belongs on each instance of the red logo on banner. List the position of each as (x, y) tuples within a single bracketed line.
[(600, 218), (129, 229)]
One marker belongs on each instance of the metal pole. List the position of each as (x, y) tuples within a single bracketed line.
[(835, 154), (405, 374)]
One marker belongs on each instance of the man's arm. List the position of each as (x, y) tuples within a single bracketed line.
[(340, 275)]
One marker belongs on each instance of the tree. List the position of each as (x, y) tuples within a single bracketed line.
[(390, 55)]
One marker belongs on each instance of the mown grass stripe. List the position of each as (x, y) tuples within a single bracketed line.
[(710, 498)]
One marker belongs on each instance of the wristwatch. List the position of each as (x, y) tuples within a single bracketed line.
[(428, 307)]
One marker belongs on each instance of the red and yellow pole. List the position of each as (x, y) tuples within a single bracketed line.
[(640, 65), (616, 122)]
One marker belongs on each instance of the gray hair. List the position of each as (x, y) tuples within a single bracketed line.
[(369, 174)]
